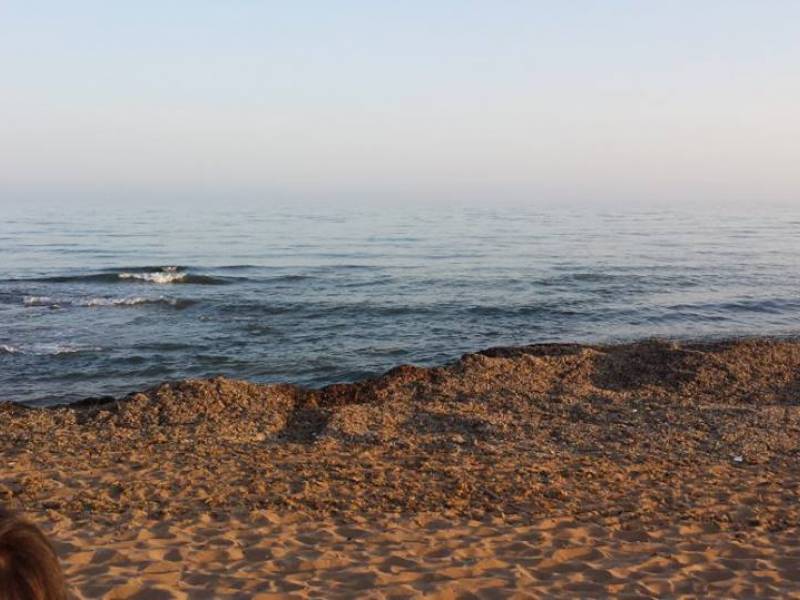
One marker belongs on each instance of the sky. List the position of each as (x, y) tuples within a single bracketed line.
[(574, 100)]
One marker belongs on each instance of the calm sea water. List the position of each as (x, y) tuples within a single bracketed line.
[(107, 301)]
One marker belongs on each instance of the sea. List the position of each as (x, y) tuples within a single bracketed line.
[(105, 300)]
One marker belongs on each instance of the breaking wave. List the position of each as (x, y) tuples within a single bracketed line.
[(154, 275), (165, 276), (101, 302), (47, 349)]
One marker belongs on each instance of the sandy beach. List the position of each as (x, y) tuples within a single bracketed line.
[(652, 469)]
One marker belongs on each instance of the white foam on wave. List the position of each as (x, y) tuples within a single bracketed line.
[(38, 301), (120, 301), (47, 349), (60, 349), (101, 302), (165, 275), (133, 301)]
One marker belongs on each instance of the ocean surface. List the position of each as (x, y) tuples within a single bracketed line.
[(106, 300)]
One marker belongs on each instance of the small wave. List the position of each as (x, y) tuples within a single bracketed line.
[(169, 276), (103, 302), (39, 301), (172, 276), (136, 301), (54, 349), (155, 275)]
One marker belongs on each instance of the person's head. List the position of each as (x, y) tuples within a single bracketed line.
[(29, 567)]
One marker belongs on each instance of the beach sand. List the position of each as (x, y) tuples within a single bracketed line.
[(652, 469)]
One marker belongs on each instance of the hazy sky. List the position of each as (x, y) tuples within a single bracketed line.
[(591, 100)]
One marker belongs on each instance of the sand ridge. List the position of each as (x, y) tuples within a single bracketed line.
[(665, 466)]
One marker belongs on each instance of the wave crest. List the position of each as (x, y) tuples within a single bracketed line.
[(39, 301), (169, 275), (47, 349), (106, 302), (154, 275)]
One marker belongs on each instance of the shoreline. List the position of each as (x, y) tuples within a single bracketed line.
[(630, 457), (703, 343), (700, 341)]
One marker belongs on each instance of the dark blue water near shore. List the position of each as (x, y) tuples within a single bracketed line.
[(107, 301)]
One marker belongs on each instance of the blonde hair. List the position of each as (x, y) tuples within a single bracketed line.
[(29, 567)]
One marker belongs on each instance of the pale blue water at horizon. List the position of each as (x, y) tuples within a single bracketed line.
[(97, 301)]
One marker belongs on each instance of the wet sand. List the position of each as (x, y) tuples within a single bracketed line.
[(644, 470)]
